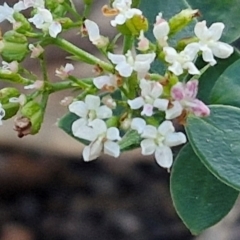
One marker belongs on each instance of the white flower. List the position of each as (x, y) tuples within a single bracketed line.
[(158, 141), (43, 19), (108, 82), (101, 138), (125, 64), (38, 84), (88, 111), (209, 44), (6, 13), (161, 30), (36, 50), (150, 93), (138, 124), (11, 67), (184, 96), (124, 10), (64, 72), (22, 5), (2, 113), (182, 60), (94, 34)]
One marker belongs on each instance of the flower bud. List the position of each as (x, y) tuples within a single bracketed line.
[(31, 119), (10, 108), (184, 42), (56, 8), (15, 46), (22, 25), (182, 19), (112, 122), (134, 26)]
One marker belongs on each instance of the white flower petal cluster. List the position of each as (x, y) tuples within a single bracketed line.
[(88, 111), (43, 19), (101, 139), (184, 97), (150, 98), (124, 10), (125, 64), (209, 42), (158, 141), (183, 60)]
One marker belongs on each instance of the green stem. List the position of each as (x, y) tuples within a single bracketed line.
[(44, 68), (127, 43), (86, 11), (15, 78), (72, 10), (44, 100), (156, 77), (83, 55), (83, 83)]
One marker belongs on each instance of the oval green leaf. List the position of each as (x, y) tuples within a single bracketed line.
[(200, 199), (216, 141), (227, 89)]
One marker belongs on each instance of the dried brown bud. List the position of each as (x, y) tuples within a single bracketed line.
[(23, 126)]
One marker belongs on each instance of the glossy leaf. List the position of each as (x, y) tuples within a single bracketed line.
[(216, 141), (227, 88), (200, 199), (212, 75)]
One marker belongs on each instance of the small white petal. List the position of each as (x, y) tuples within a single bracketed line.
[(221, 50), (176, 68), (111, 148), (175, 139), (77, 126), (136, 103), (161, 104), (149, 132), (116, 58), (165, 128), (79, 108), (93, 102), (99, 126), (157, 90), (93, 30), (147, 110), (85, 132), (113, 134), (138, 124), (104, 112), (216, 30), (164, 157), (92, 151), (54, 29), (207, 56), (174, 111), (148, 146), (124, 69), (101, 81)]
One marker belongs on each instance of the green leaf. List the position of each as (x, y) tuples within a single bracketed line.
[(65, 123), (211, 76), (130, 140), (216, 141), (200, 199), (227, 88)]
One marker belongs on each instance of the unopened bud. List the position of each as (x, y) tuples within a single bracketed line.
[(22, 25), (182, 19), (15, 46), (134, 25), (33, 112), (11, 108), (23, 126)]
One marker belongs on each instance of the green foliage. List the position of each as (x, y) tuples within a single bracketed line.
[(216, 141), (200, 199)]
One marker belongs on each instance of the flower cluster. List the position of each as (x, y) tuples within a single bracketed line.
[(125, 104)]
